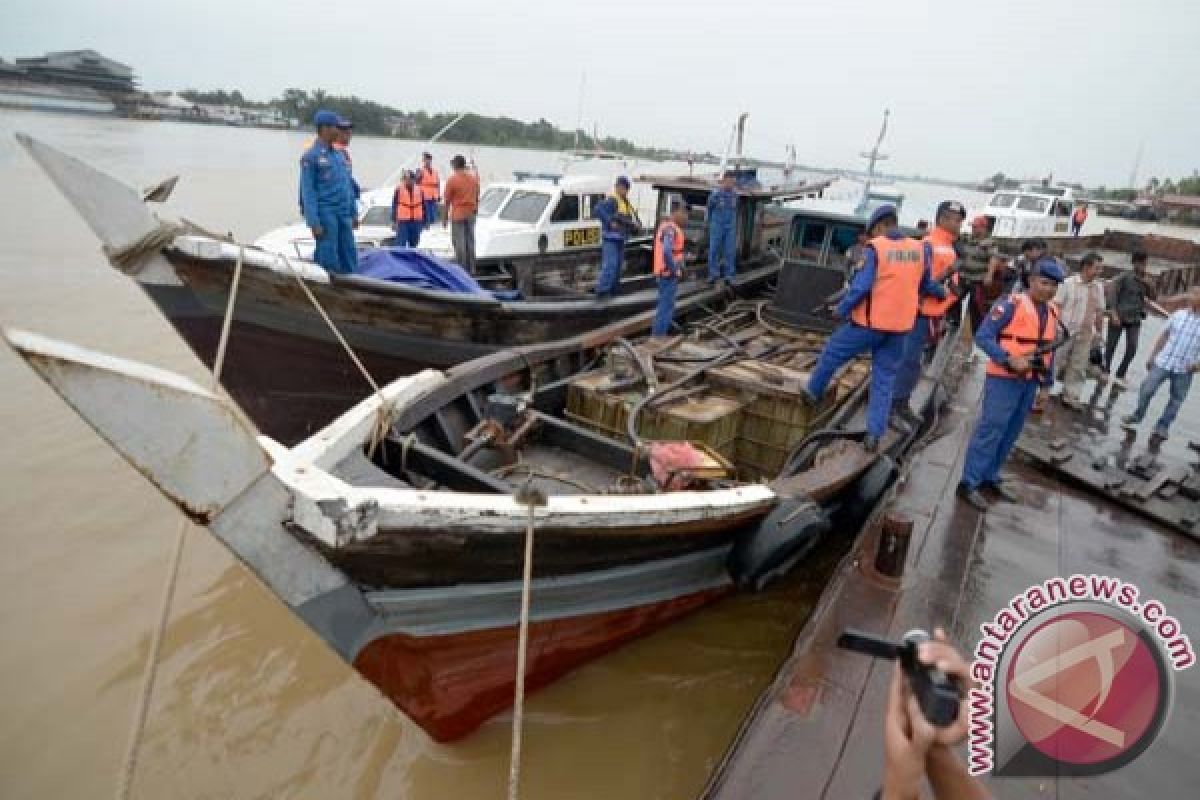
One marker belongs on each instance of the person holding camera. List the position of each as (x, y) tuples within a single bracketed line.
[(1018, 337), (915, 749)]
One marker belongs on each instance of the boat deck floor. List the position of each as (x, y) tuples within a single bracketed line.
[(817, 731), (556, 470)]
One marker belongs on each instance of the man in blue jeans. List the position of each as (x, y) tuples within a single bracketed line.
[(1176, 358)]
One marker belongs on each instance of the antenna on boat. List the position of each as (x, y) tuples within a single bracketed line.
[(395, 176), (872, 157), (1137, 163), (579, 116)]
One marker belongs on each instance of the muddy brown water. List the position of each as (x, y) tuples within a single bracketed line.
[(248, 703)]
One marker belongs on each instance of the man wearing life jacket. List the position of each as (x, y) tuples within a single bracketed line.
[(668, 265), (431, 186), (722, 230), (327, 198), (408, 210), (1078, 218), (943, 260), (1016, 327), (618, 220), (880, 308)]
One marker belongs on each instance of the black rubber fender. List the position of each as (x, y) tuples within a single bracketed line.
[(859, 500), (784, 536)]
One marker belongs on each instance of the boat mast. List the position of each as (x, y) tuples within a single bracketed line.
[(872, 157), (1137, 163)]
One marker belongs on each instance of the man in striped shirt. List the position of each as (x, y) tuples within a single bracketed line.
[(1176, 358)]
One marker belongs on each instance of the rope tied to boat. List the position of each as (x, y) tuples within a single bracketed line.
[(530, 497), (383, 414), (142, 709), (129, 258)]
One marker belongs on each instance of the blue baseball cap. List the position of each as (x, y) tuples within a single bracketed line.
[(623, 181), (883, 212), (1049, 268), (325, 117)]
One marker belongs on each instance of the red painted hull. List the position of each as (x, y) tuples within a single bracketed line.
[(452, 684)]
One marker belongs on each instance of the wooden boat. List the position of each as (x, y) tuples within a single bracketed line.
[(395, 535), (287, 369)]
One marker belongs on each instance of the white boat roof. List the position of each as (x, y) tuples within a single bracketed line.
[(584, 184)]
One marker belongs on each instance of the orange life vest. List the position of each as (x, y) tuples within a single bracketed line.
[(344, 150), (660, 259), (891, 306), (1080, 215), (429, 183), (1023, 334), (944, 257), (410, 204)]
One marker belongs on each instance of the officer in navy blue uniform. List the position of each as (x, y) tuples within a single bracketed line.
[(327, 198), (722, 231)]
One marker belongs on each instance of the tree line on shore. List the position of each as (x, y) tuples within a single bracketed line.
[(1188, 185), (375, 118)]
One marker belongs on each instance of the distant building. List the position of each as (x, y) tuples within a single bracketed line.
[(85, 68)]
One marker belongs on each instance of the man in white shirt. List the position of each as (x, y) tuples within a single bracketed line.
[(1176, 358), (1081, 305)]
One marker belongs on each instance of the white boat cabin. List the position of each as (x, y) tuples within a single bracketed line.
[(1030, 211), (534, 214)]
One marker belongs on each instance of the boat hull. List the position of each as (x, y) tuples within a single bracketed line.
[(451, 684)]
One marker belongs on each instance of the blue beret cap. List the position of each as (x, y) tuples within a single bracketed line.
[(1049, 268), (623, 181), (324, 117), (883, 212)]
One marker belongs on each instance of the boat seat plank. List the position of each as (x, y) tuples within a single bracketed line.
[(578, 439), (358, 470), (446, 470)]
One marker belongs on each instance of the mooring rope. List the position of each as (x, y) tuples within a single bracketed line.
[(150, 676), (382, 418), (531, 498)]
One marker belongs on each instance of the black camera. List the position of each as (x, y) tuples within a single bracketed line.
[(937, 693)]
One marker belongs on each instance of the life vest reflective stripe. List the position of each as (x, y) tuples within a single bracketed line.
[(410, 204), (944, 258), (660, 261), (430, 184), (1024, 333), (891, 306)]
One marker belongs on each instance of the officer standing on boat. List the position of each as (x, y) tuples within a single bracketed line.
[(880, 309), (1016, 327), (668, 265), (431, 186), (943, 260), (327, 198), (342, 144), (408, 210), (722, 230), (617, 221)]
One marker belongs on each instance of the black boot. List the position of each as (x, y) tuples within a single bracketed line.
[(870, 444), (972, 497), (1003, 491)]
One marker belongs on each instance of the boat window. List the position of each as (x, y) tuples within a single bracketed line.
[(808, 240), (1028, 202), (567, 209), (1062, 209), (1003, 201), (377, 215), (491, 201), (590, 202), (843, 238), (525, 206)]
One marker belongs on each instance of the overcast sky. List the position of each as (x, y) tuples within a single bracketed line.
[(1022, 87)]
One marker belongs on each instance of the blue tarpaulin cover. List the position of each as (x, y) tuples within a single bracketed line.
[(415, 268)]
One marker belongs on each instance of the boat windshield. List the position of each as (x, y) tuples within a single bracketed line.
[(377, 215), (1028, 202), (525, 206), (1003, 201), (491, 201)]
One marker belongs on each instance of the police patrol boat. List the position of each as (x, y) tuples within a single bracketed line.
[(1032, 210), (293, 321)]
